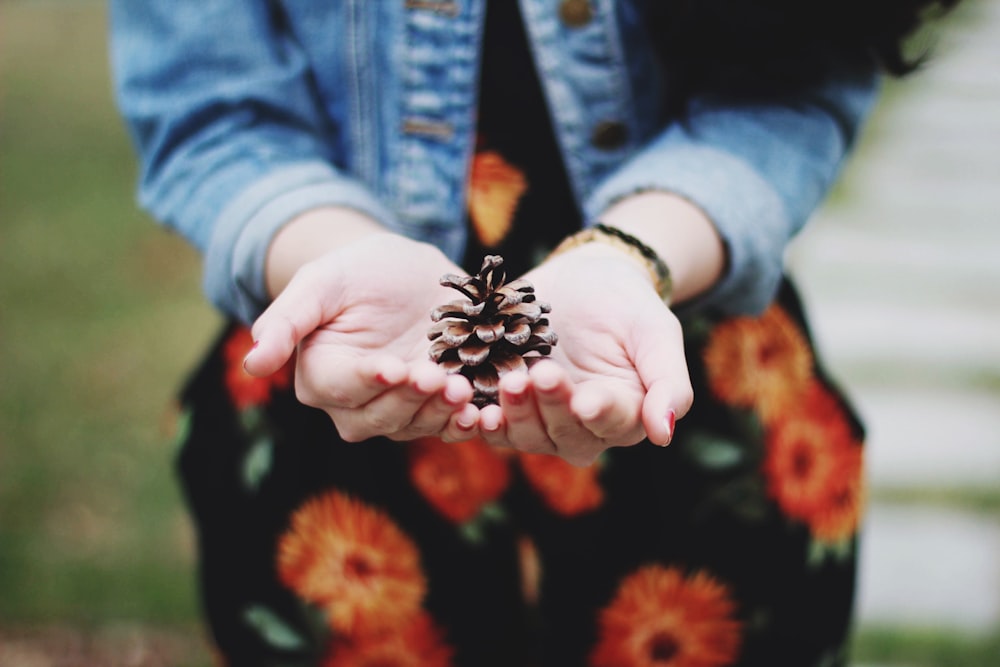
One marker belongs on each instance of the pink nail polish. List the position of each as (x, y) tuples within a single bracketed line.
[(514, 392), (669, 422), (248, 354), (516, 399)]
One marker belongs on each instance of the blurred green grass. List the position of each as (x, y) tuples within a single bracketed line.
[(102, 317)]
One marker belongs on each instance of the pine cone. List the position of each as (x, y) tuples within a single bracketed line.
[(499, 328)]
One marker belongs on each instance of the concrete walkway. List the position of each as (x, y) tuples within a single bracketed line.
[(903, 284)]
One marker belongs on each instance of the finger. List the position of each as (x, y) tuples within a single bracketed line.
[(392, 412), (554, 393), (328, 379), (665, 403), (292, 316), (525, 429), (610, 413), (462, 424), (493, 426), (448, 395), (662, 367)]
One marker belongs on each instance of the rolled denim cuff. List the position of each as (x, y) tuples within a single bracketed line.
[(234, 277), (747, 212)]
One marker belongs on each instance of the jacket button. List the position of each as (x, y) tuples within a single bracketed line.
[(609, 134), (575, 13)]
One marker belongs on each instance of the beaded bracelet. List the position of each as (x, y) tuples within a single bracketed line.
[(613, 236)]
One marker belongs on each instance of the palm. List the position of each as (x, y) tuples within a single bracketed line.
[(380, 324), (380, 300), (359, 317), (592, 353), (614, 346), (595, 312)]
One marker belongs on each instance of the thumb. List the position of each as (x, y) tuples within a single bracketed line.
[(292, 316), (662, 367)]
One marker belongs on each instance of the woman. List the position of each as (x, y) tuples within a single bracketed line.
[(643, 165)]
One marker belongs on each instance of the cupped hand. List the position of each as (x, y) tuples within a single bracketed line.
[(359, 317), (617, 375)]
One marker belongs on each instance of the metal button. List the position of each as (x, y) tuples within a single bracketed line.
[(609, 134), (446, 7), (428, 128), (575, 13)]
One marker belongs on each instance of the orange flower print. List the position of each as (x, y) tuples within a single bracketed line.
[(837, 518), (566, 489), (245, 390), (353, 562), (419, 644), (660, 618), (761, 363), (495, 187), (813, 467), (458, 478)]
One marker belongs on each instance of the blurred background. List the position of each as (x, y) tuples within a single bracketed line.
[(101, 318)]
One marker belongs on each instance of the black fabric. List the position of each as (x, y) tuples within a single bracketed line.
[(671, 506), (514, 119)]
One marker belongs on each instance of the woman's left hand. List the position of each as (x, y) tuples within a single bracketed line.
[(617, 375)]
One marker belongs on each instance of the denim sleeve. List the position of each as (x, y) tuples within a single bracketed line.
[(757, 170), (231, 140)]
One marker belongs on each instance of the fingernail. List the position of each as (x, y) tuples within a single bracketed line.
[(490, 425), (669, 422), (453, 395), (516, 394), (249, 354), (546, 384)]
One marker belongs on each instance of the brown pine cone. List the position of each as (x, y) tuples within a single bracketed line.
[(497, 329)]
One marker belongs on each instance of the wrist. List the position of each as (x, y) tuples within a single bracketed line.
[(623, 245), (678, 232), (310, 235)]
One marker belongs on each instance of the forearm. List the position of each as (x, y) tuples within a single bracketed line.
[(311, 235), (757, 171)]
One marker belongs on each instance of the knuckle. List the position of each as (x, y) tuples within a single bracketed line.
[(564, 432), (612, 428), (350, 432), (337, 397), (580, 459), (534, 447), (309, 393), (306, 393), (631, 437), (383, 423), (415, 430)]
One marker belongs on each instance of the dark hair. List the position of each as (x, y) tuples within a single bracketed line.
[(762, 47)]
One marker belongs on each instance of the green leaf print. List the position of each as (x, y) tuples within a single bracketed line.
[(713, 451), (273, 629), (257, 462)]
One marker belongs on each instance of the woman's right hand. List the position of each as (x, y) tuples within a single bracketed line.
[(359, 315)]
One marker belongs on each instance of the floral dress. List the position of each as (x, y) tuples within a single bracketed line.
[(735, 545)]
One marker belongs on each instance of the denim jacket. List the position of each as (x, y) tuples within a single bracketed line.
[(249, 112)]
